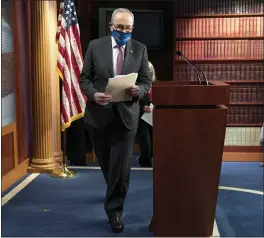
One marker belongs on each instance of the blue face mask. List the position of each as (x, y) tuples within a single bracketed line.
[(121, 38)]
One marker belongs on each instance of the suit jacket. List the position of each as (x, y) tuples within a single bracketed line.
[(98, 68)]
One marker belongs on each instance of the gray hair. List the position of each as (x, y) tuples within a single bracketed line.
[(120, 10), (152, 70)]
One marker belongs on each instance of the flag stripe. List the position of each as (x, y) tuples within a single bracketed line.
[(65, 103), (76, 68), (76, 37)]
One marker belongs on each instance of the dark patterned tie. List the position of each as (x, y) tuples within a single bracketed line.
[(119, 61)]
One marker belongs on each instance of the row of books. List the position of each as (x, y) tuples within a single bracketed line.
[(203, 7), (246, 115), (248, 93), (219, 27), (242, 136), (222, 49), (224, 72)]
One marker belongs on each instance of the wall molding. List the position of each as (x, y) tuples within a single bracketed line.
[(11, 129), (243, 157), (15, 174)]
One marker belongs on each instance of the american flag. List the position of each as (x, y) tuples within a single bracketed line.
[(69, 64)]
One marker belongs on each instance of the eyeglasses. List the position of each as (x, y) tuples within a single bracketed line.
[(120, 27)]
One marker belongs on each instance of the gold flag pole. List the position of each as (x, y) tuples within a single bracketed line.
[(63, 171)]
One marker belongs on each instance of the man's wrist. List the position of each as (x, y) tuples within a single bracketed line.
[(138, 91)]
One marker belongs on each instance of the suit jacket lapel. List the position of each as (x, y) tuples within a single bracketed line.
[(108, 55), (128, 57)]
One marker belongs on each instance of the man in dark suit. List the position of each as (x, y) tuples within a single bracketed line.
[(115, 124)]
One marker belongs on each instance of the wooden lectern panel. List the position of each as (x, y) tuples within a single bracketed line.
[(171, 93), (188, 148)]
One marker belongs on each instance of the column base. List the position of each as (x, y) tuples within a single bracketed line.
[(41, 170), (58, 156), (43, 163)]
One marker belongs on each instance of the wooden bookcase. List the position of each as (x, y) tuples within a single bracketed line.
[(225, 39)]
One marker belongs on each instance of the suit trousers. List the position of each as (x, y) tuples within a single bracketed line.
[(114, 150), (144, 135)]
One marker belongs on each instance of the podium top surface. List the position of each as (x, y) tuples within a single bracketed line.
[(173, 93)]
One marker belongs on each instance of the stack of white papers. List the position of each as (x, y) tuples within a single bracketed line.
[(116, 87), (148, 116)]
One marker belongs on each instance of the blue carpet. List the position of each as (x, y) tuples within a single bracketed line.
[(74, 207), (248, 175), (239, 214)]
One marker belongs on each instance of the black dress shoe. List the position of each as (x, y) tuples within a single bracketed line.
[(116, 224)]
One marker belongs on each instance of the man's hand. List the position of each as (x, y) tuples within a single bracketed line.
[(133, 91), (101, 98), (147, 109)]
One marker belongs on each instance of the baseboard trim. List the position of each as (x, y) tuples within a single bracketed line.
[(234, 155), (15, 174), (243, 157)]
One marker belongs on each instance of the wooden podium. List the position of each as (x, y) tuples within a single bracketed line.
[(189, 122)]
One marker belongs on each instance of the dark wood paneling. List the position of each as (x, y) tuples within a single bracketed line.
[(7, 154), (22, 80), (84, 13)]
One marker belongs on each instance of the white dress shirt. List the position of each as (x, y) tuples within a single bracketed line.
[(115, 51)]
